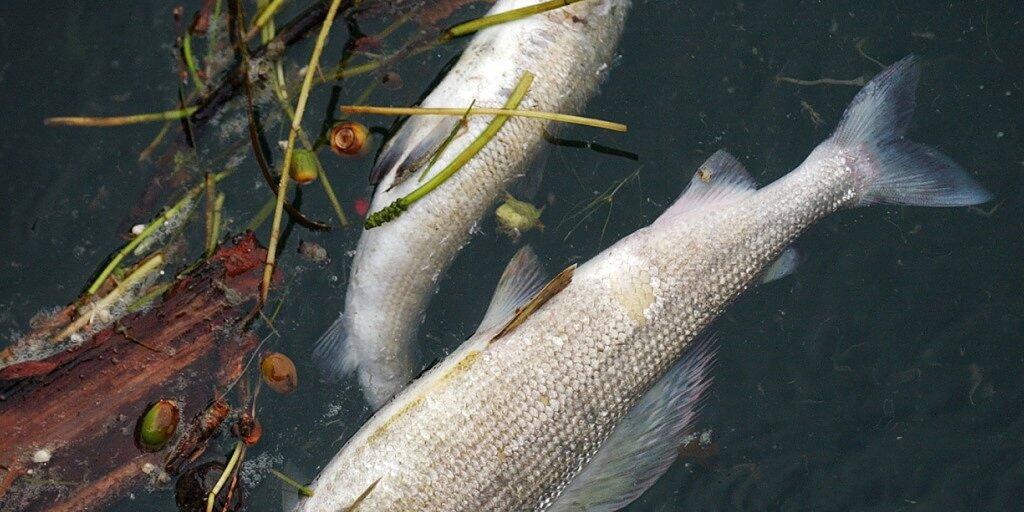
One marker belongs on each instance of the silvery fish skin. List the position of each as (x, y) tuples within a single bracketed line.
[(397, 265), (511, 423)]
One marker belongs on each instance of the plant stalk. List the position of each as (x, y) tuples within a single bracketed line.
[(300, 108), (476, 111)]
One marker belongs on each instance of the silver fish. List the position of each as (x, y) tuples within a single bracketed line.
[(397, 265), (567, 409)]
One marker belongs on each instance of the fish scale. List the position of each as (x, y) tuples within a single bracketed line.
[(523, 422), (396, 266)]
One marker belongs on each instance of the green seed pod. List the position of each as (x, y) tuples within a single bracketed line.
[(279, 373), (158, 425), (305, 167), (516, 217)]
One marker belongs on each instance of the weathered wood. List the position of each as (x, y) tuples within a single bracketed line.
[(82, 405)]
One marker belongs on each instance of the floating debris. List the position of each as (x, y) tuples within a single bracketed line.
[(158, 426), (313, 252), (516, 217), (279, 373), (248, 429), (194, 486), (41, 456)]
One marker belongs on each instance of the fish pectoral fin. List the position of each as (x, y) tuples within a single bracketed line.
[(646, 442), (783, 266), (411, 148), (522, 279), (720, 180)]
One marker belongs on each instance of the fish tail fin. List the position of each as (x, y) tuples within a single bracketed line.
[(895, 169), (332, 351)]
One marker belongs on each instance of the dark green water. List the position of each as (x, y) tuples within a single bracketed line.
[(884, 375)]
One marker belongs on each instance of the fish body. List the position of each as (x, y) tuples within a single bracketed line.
[(533, 419), (397, 265)]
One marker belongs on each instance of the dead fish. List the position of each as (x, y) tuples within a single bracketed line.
[(397, 265), (581, 405)]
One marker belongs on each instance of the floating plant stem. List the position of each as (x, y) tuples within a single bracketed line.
[(169, 115), (462, 29), (157, 139), (265, 16), (471, 26), (149, 230), (300, 108), (476, 111), (299, 488), (190, 61), (218, 208), (856, 82), (447, 140), (211, 196), (142, 271), (393, 210), (232, 462)]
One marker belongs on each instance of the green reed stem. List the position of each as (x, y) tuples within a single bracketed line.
[(395, 209)]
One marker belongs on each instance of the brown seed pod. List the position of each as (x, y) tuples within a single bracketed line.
[(279, 372), (304, 167), (349, 138), (157, 426)]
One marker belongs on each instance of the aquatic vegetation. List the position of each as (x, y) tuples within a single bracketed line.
[(516, 217), (392, 211), (304, 167), (158, 425)]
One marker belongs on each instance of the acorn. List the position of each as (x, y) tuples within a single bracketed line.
[(279, 373), (157, 426), (348, 138), (304, 167)]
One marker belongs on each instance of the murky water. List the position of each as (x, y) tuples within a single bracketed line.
[(884, 375)]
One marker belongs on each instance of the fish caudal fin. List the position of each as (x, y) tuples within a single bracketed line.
[(332, 353), (897, 170), (646, 442)]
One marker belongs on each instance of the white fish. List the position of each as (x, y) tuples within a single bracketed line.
[(397, 265), (570, 408)]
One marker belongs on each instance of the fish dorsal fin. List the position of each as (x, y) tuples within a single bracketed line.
[(555, 285), (721, 179), (645, 443), (783, 266), (522, 279)]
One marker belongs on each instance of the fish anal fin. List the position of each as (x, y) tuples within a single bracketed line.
[(646, 442), (555, 285), (720, 180), (784, 265)]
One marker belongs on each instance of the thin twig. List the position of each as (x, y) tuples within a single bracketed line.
[(169, 115), (300, 109), (476, 111)]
